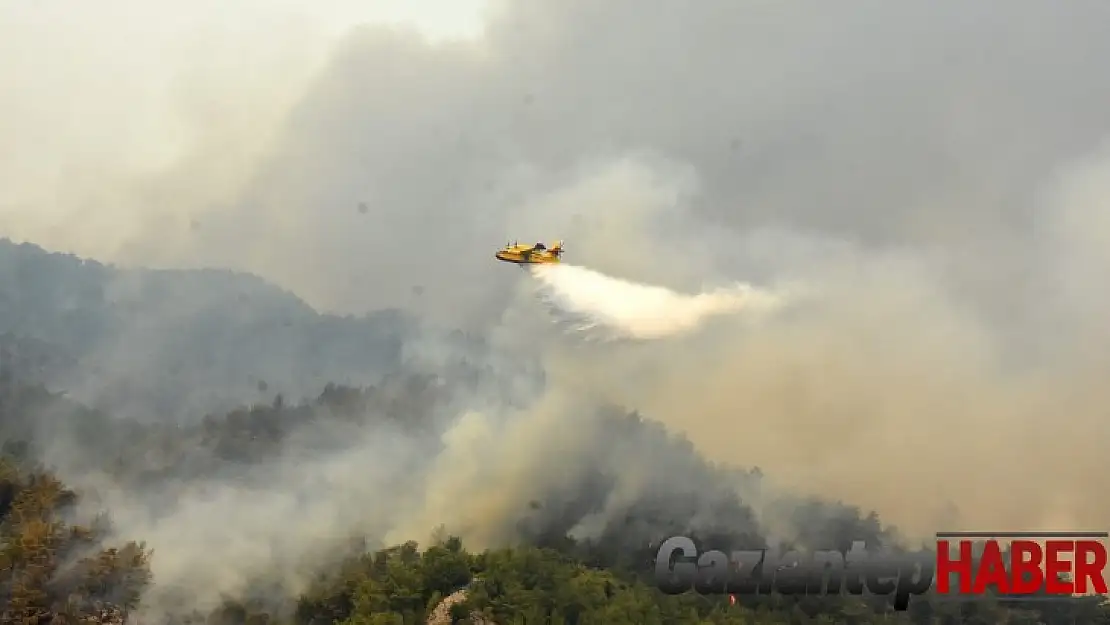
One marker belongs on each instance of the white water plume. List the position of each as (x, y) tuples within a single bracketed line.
[(591, 300)]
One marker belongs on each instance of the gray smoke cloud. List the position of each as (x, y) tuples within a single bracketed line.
[(925, 124), (935, 170), (885, 383)]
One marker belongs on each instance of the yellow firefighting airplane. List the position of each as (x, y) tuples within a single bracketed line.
[(537, 254)]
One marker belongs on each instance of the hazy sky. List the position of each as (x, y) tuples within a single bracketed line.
[(98, 95), (247, 134)]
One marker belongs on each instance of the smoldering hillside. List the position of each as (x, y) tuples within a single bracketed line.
[(464, 434)]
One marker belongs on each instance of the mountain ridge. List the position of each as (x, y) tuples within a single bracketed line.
[(235, 334)]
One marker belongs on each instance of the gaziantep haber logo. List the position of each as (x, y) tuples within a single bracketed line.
[(1010, 565)]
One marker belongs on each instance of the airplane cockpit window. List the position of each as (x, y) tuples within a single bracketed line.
[(540, 246)]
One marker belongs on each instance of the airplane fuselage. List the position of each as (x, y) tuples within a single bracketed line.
[(524, 255)]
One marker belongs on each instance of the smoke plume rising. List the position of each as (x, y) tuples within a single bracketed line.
[(893, 389)]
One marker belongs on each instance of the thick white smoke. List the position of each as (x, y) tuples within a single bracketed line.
[(623, 309)]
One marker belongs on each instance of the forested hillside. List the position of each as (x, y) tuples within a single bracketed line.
[(59, 566), (179, 343), (293, 511)]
